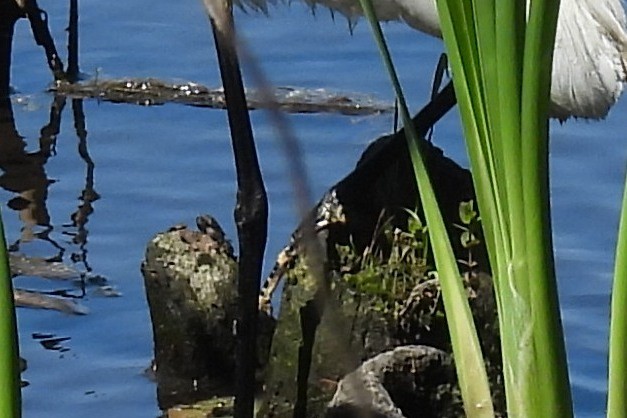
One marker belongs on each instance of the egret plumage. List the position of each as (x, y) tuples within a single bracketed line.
[(590, 58)]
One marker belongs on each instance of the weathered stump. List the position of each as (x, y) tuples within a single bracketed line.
[(313, 348), (191, 281), (320, 339)]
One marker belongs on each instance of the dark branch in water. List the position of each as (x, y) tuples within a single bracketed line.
[(251, 211), (72, 44), (38, 19), (11, 11), (10, 14)]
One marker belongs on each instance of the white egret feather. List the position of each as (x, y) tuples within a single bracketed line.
[(590, 57)]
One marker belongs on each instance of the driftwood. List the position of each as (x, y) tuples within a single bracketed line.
[(21, 265), (40, 267), (30, 299), (153, 91)]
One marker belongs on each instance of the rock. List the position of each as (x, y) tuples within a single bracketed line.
[(408, 381)]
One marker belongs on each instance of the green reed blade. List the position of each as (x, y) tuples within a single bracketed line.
[(10, 391), (466, 349)]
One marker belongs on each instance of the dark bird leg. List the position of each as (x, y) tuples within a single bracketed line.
[(251, 211), (10, 14), (438, 76), (73, 71)]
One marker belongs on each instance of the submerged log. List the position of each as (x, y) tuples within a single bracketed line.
[(154, 92)]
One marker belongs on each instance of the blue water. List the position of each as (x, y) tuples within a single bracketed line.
[(156, 166)]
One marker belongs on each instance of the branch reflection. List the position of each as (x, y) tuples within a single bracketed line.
[(24, 172), (88, 195)]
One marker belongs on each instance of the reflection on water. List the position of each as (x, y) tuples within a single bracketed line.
[(24, 175), (24, 172), (52, 342), (88, 195)]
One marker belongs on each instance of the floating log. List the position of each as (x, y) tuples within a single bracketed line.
[(152, 91)]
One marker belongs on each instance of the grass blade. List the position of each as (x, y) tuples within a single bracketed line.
[(499, 67), (617, 383), (10, 392), (466, 349)]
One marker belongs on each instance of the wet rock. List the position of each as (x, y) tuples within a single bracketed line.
[(408, 381)]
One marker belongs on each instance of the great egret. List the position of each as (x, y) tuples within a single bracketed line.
[(590, 58)]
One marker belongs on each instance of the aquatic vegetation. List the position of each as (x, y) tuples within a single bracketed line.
[(388, 273), (617, 377)]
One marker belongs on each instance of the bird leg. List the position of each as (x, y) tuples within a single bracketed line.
[(251, 211)]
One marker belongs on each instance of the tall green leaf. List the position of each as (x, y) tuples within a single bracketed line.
[(617, 383), (466, 349), (499, 63), (10, 395)]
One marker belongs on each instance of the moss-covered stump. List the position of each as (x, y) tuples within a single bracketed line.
[(191, 280), (379, 293), (304, 369), (314, 346), (372, 303)]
